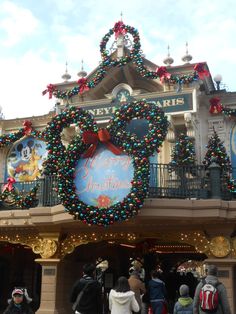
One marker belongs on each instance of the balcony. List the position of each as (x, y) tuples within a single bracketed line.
[(166, 181)]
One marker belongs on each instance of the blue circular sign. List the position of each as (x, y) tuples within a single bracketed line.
[(104, 179)]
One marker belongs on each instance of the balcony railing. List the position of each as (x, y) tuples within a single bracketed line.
[(166, 181)]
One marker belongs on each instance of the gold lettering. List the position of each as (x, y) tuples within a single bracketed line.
[(166, 103), (159, 103), (92, 111), (180, 101), (173, 102)]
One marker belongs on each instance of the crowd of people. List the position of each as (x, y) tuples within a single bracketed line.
[(131, 295)]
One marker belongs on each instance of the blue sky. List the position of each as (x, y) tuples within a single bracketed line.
[(38, 37)]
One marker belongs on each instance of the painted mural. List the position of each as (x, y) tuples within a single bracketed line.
[(25, 159)]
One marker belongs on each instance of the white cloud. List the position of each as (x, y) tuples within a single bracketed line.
[(23, 82), (17, 22), (71, 30)]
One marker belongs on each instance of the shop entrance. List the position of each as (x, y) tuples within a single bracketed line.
[(18, 269), (179, 263)]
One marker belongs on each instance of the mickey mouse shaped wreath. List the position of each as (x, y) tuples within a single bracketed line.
[(104, 174)]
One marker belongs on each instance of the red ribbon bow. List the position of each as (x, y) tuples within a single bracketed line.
[(83, 85), (216, 106), (119, 29), (50, 89), (200, 68), (9, 185), (103, 136), (27, 127), (162, 73)]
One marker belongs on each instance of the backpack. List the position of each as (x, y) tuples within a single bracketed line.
[(209, 297)]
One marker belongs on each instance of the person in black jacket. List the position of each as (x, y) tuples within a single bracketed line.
[(18, 303), (91, 299)]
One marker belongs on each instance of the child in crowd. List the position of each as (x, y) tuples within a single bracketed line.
[(184, 305)]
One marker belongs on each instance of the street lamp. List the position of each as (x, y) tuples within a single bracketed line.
[(218, 79)]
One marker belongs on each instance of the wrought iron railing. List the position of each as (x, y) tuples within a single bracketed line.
[(166, 181)]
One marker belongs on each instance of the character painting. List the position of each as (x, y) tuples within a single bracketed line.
[(25, 159)]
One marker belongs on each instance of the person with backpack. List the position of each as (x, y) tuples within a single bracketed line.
[(210, 295), (184, 305), (86, 294)]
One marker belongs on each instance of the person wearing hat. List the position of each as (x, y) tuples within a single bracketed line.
[(18, 303), (184, 305)]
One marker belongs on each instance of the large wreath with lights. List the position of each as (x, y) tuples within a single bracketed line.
[(157, 128), (120, 29), (115, 137), (134, 55), (55, 147)]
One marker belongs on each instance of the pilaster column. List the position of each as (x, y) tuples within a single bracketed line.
[(48, 285)]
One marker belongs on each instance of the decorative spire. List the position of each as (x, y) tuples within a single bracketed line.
[(168, 60), (66, 76), (82, 73), (121, 16), (187, 58)]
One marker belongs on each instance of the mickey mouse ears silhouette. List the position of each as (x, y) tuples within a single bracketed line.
[(118, 140)]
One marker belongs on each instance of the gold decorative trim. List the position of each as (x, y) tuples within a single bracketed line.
[(45, 247), (233, 243), (220, 246), (197, 239), (74, 240)]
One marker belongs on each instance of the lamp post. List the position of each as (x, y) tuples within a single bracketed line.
[(218, 80)]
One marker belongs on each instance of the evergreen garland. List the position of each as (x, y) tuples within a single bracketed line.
[(133, 55), (18, 199)]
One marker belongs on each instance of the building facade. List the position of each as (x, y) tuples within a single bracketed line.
[(43, 247)]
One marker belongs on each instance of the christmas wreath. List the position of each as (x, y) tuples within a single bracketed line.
[(132, 55), (116, 139)]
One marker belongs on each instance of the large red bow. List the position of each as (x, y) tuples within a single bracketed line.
[(83, 85), (216, 106), (201, 71), (103, 136), (162, 73), (50, 89), (27, 127), (9, 185), (119, 29)]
